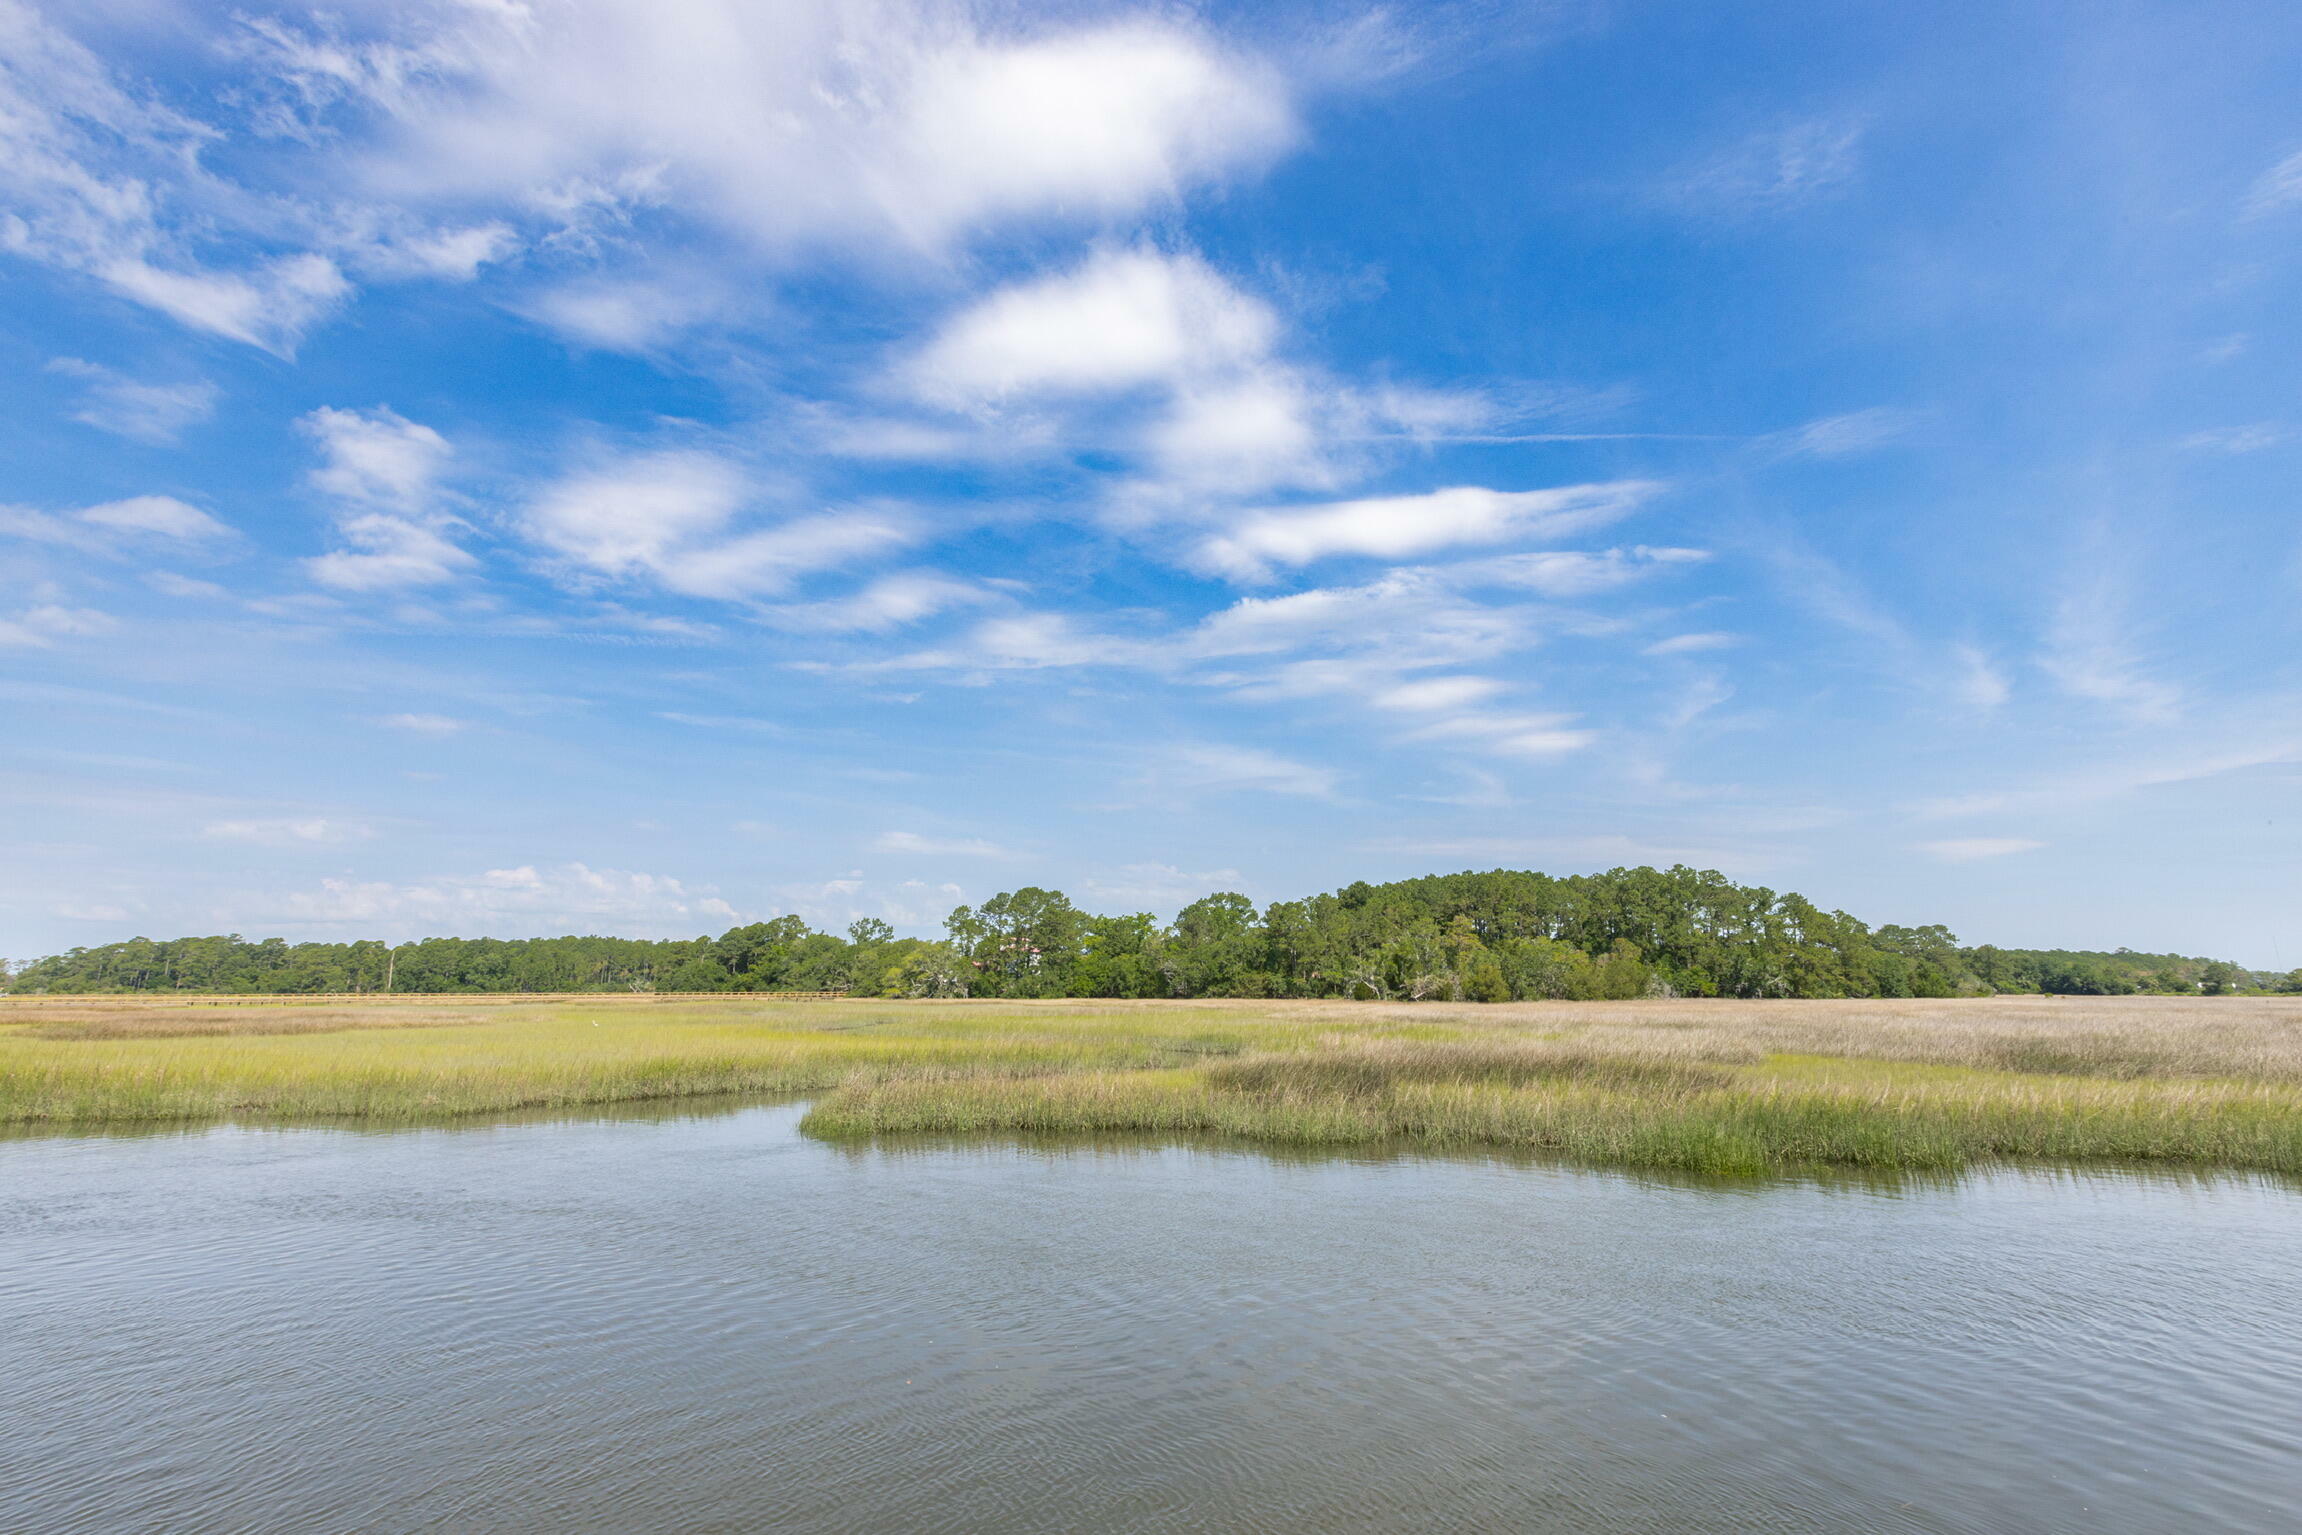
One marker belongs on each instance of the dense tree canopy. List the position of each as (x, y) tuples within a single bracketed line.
[(1488, 937)]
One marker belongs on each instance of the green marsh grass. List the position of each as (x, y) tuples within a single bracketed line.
[(1700, 1087)]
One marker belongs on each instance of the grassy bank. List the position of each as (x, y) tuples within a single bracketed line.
[(1726, 1087)]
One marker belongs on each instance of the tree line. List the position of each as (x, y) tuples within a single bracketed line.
[(1497, 936)]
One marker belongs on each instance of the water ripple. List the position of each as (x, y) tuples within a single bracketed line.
[(710, 1324)]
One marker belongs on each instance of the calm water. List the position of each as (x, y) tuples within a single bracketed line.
[(707, 1323)]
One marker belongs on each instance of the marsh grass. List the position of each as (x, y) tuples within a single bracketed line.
[(1699, 1087), (186, 1064), (89, 1023)]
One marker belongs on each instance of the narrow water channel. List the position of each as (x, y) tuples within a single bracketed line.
[(707, 1322)]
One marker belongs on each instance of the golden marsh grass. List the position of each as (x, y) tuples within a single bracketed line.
[(1705, 1086)]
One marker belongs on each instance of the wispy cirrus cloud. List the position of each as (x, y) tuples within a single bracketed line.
[(2276, 189), (129, 407), (1773, 170)]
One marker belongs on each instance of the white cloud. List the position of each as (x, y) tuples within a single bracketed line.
[(105, 182), (794, 124), (423, 724), (292, 831), (450, 254), (176, 584), (164, 515), (40, 627), (1124, 319), (1241, 435), (388, 553), (269, 306), (1511, 735), (1438, 693), (126, 407), (939, 847), (383, 471), (2238, 439), (891, 602), (627, 314), (1573, 573), (1972, 849), (1219, 414), (376, 458), (100, 529), (904, 124), (633, 514), (1029, 642), (771, 559), (1980, 684), (1689, 644), (1846, 436), (428, 140), (1393, 527), (666, 516), (2277, 189)]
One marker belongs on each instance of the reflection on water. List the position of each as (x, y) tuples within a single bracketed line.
[(659, 1319)]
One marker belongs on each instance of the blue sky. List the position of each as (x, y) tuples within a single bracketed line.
[(637, 465)]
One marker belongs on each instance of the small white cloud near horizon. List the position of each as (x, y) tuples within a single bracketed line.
[(1974, 849), (422, 724)]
